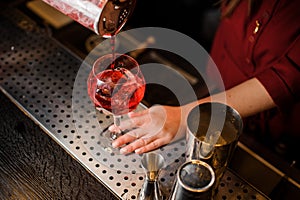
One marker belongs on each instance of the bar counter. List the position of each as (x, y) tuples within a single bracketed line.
[(42, 154)]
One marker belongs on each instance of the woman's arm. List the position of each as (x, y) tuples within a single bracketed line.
[(248, 98), (159, 125)]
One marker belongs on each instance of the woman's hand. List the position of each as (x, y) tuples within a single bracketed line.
[(151, 128)]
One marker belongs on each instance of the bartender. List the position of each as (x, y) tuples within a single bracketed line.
[(257, 51)]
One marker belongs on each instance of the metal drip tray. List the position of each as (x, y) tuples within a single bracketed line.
[(43, 79)]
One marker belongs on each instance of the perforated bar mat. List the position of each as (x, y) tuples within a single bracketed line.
[(39, 76)]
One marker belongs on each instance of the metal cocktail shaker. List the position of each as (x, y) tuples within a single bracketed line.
[(194, 180), (104, 17), (212, 135)]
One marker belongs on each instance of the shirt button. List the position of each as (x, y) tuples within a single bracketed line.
[(247, 60), (251, 39)]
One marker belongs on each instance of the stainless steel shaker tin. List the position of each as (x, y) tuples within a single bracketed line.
[(212, 117), (114, 15), (105, 17), (194, 180), (217, 120)]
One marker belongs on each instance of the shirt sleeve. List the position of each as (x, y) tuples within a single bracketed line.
[(282, 80)]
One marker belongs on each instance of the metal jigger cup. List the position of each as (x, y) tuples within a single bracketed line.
[(209, 118), (151, 163), (194, 180)]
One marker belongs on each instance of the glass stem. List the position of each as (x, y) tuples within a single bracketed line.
[(117, 123)]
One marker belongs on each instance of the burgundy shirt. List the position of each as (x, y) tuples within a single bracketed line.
[(266, 46)]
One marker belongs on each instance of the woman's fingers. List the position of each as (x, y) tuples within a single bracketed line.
[(128, 137), (152, 145), (144, 144), (148, 129), (134, 145)]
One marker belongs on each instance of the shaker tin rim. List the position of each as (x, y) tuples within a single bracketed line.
[(203, 189)]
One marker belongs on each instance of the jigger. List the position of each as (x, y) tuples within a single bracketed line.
[(151, 163)]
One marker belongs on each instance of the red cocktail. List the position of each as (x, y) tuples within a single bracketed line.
[(116, 85)]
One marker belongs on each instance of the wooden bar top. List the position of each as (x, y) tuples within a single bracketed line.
[(33, 166)]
